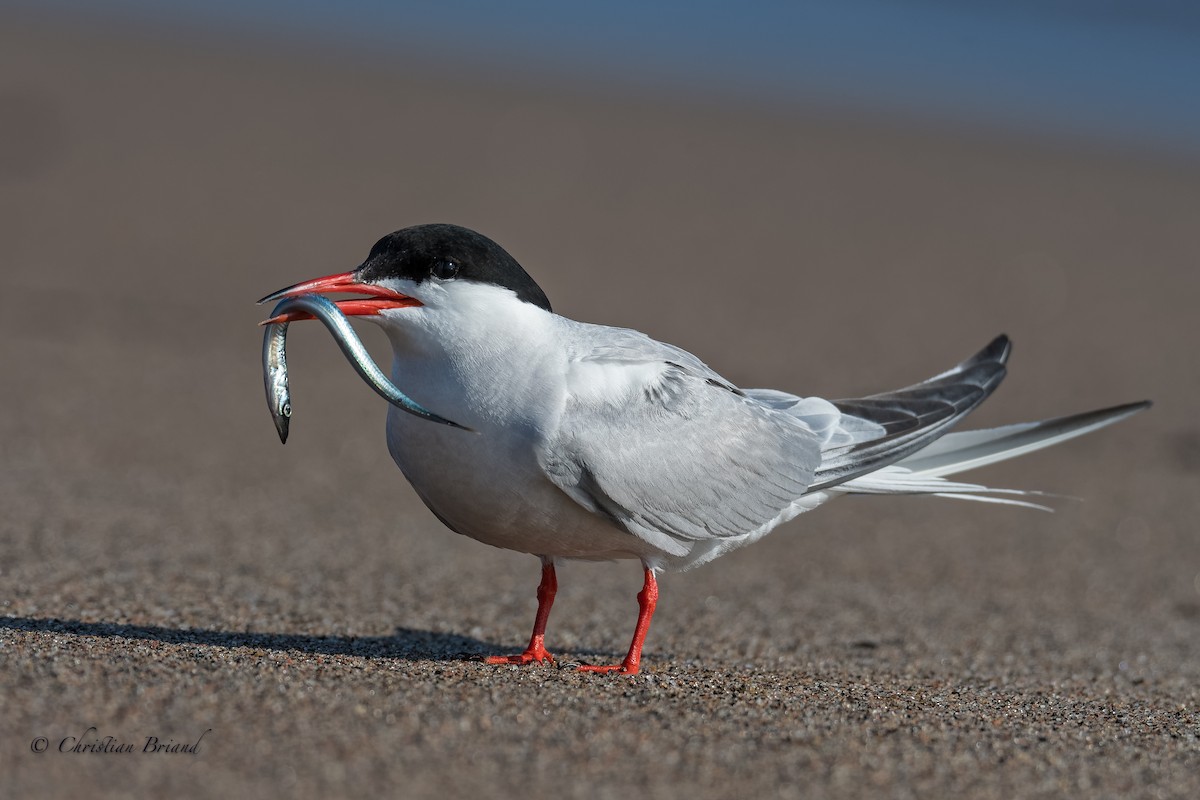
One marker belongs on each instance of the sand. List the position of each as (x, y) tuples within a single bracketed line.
[(170, 572)]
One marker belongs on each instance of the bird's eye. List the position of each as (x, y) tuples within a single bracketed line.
[(445, 269)]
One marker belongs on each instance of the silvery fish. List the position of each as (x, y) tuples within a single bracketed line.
[(275, 374)]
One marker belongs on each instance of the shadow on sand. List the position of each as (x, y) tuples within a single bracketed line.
[(405, 643)]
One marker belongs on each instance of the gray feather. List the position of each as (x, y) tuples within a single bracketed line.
[(914, 416), (959, 452), (681, 457)]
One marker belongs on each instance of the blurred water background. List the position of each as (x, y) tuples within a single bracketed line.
[(1110, 72)]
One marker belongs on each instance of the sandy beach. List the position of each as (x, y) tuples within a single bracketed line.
[(170, 571)]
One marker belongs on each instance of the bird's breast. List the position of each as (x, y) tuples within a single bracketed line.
[(487, 483)]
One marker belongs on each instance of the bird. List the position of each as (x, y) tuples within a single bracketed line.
[(583, 441)]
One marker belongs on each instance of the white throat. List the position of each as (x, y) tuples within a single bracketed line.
[(477, 353)]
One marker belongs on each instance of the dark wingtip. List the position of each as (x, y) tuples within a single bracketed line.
[(996, 351), (999, 349), (1007, 345)]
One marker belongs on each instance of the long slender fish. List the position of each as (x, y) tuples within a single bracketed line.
[(275, 373), (275, 376)]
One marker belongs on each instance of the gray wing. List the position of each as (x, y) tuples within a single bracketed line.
[(911, 418), (674, 454)]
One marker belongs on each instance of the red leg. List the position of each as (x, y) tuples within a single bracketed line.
[(536, 651), (647, 600)]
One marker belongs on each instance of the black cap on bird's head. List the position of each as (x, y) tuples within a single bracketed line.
[(448, 252), (440, 252)]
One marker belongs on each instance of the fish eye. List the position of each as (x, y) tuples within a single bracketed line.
[(445, 269)]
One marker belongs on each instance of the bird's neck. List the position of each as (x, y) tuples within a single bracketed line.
[(495, 363)]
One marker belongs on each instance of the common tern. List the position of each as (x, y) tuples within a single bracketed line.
[(582, 441)]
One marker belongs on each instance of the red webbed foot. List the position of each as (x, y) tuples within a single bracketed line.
[(532, 653), (647, 600), (536, 651)]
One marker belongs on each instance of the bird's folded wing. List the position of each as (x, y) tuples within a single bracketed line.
[(669, 451)]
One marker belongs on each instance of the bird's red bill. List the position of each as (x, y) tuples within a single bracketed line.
[(381, 298)]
